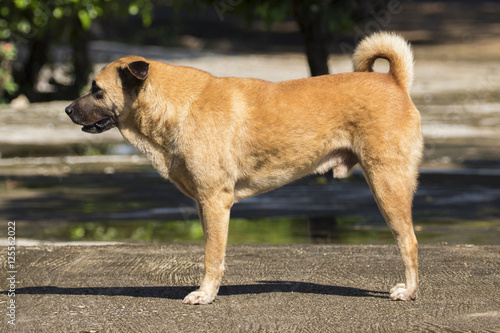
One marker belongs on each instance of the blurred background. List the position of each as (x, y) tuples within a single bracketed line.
[(61, 184)]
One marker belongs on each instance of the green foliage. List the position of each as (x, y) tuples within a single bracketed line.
[(37, 24), (25, 17), (270, 231), (8, 54)]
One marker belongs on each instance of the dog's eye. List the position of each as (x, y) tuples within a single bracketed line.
[(95, 90)]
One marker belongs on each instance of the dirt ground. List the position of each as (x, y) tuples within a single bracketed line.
[(311, 288)]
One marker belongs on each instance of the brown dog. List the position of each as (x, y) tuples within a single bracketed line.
[(221, 140)]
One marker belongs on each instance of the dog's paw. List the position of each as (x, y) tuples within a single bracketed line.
[(198, 297), (400, 293)]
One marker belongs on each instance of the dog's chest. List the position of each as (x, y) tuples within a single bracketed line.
[(154, 153)]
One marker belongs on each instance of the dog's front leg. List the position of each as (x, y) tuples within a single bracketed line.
[(214, 216)]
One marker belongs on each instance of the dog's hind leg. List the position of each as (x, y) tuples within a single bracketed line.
[(392, 186)]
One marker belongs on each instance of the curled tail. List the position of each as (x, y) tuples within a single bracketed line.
[(388, 46)]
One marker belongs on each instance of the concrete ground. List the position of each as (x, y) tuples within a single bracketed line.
[(306, 288), (316, 288)]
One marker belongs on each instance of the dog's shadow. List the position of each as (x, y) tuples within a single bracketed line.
[(262, 287)]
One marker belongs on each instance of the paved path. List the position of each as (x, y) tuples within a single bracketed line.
[(311, 288)]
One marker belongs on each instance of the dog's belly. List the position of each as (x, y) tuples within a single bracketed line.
[(249, 187), (341, 161)]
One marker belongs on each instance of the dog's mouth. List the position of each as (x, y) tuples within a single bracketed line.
[(100, 126)]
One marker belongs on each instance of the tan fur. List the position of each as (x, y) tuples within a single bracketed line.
[(387, 46), (221, 140)]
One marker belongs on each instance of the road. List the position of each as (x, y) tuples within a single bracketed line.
[(297, 288)]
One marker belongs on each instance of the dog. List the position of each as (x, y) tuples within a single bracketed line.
[(224, 139)]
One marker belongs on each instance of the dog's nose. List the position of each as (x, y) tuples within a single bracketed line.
[(69, 110)]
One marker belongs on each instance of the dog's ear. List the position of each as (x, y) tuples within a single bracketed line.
[(133, 74), (139, 69)]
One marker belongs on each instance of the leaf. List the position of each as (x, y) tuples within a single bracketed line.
[(11, 87), (133, 9), (58, 12), (24, 26), (85, 19), (21, 4), (147, 18)]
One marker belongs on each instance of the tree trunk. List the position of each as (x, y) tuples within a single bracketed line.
[(38, 56), (81, 62), (312, 25)]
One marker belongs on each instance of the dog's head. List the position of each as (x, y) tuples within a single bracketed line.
[(111, 96)]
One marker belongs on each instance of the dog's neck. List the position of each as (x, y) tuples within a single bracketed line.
[(156, 130), (156, 154)]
